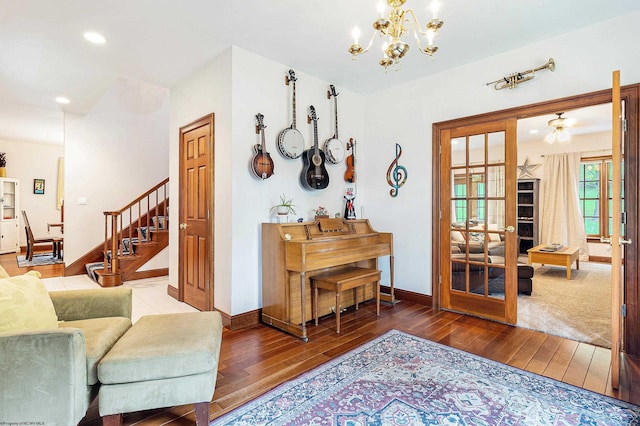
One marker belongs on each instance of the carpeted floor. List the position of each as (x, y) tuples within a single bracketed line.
[(578, 309), (39, 259), (399, 379)]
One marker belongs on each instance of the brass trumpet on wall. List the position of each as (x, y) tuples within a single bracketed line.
[(516, 78)]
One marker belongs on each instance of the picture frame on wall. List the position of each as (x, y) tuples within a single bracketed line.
[(38, 186)]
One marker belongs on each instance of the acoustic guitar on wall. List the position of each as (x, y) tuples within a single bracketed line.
[(262, 163), (314, 173)]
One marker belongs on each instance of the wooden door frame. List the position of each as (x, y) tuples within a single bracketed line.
[(209, 291), (631, 96)]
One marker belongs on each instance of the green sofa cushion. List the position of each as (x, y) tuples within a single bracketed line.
[(164, 346), (100, 334), (25, 304)]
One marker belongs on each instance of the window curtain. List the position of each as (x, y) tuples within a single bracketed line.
[(562, 220)]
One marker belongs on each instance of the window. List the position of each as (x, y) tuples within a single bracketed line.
[(475, 199), (460, 203), (595, 196)]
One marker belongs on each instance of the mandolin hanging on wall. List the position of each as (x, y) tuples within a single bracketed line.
[(262, 163)]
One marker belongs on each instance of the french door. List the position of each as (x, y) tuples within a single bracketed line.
[(616, 235), (478, 248)]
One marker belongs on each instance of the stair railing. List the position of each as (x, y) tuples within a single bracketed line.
[(134, 220)]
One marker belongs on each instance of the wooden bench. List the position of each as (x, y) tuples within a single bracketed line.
[(349, 279)]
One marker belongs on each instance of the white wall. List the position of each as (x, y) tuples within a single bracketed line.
[(207, 91), (113, 154), (28, 161), (237, 86), (258, 87), (404, 114)]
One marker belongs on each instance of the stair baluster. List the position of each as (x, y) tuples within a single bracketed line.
[(125, 230)]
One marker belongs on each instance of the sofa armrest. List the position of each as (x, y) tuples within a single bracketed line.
[(72, 305), (44, 377)]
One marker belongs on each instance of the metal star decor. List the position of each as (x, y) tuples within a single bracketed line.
[(527, 169)]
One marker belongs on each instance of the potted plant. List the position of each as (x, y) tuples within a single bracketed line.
[(321, 212), (3, 164), (285, 207)]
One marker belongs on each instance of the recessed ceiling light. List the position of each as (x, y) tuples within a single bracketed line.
[(95, 37), (62, 100), (533, 131)]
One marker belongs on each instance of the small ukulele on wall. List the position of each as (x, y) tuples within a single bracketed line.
[(262, 164), (350, 173), (314, 173)]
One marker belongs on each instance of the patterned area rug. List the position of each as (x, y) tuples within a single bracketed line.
[(39, 259), (399, 379)]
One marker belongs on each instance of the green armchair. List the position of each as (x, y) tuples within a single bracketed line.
[(49, 376)]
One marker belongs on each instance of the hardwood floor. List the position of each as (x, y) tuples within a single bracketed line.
[(8, 262), (257, 359)]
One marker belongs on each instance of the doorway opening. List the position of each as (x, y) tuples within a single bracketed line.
[(558, 306), (630, 96)]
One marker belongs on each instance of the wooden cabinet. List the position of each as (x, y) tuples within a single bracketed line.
[(528, 213), (9, 210)]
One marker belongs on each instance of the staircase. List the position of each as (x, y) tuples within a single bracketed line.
[(133, 236)]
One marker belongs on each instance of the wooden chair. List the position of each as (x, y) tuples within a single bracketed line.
[(55, 242)]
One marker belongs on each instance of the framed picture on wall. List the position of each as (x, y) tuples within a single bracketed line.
[(38, 186)]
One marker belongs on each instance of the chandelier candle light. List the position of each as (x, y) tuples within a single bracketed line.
[(394, 26)]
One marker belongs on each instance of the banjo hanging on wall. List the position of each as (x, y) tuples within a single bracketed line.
[(333, 147), (290, 140)]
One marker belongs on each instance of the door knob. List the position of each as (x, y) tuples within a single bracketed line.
[(508, 229), (183, 226)]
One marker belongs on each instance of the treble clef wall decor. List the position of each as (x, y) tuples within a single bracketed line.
[(396, 174)]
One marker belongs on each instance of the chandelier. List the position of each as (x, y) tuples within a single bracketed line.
[(394, 26), (560, 132)]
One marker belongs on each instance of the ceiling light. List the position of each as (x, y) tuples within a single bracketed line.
[(95, 37), (559, 133), (62, 100), (392, 28), (533, 131)]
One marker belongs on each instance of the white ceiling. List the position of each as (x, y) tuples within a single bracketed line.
[(594, 119), (43, 54)]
